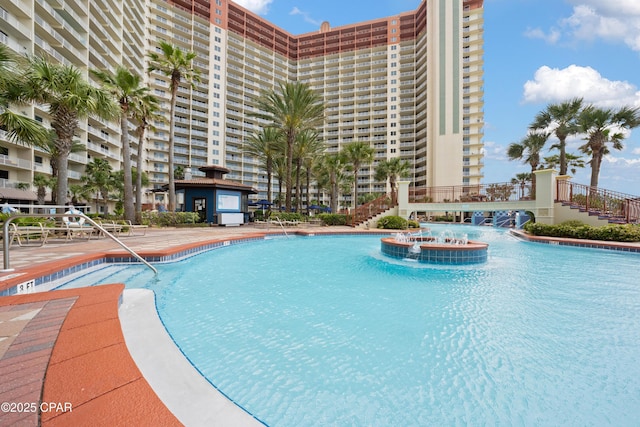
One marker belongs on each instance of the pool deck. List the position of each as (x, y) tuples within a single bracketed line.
[(90, 356)]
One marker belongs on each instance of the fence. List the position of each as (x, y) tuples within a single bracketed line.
[(500, 192), (616, 206)]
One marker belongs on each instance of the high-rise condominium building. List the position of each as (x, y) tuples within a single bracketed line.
[(410, 85)]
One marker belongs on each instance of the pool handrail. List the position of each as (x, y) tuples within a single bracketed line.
[(6, 242)]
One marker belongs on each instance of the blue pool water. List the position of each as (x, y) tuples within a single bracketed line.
[(327, 331)]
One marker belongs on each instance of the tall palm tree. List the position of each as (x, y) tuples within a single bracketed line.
[(265, 145), (357, 154), (573, 162), (313, 151), (521, 180), (41, 182), (70, 98), (392, 169), (145, 111), (604, 126), (126, 87), (562, 118), (54, 159), (334, 168), (308, 146), (528, 150), (99, 178), (177, 65), (19, 128), (292, 108)]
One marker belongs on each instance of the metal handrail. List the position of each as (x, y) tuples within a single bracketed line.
[(281, 225), (6, 242)]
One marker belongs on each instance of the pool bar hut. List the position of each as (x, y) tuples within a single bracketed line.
[(218, 201)]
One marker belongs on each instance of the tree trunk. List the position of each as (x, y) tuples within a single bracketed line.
[(291, 136), (139, 177), (563, 157), (65, 124), (298, 192), (172, 183), (129, 211), (269, 173)]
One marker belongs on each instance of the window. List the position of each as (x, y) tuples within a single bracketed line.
[(37, 159), (4, 151), (4, 174)]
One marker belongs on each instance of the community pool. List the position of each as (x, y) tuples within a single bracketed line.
[(327, 331)]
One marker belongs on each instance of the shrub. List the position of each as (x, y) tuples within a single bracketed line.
[(170, 219), (578, 230), (333, 219), (392, 223), (413, 224)]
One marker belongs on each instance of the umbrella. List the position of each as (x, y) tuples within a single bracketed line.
[(262, 203)]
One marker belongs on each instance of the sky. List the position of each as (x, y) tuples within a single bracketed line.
[(537, 53)]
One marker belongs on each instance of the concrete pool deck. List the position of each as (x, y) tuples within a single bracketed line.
[(90, 356)]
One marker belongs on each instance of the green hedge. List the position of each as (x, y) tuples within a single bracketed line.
[(333, 219), (579, 230), (169, 219), (393, 223)]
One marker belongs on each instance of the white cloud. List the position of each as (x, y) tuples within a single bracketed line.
[(614, 21), (256, 6), (557, 85), (551, 37), (305, 16)]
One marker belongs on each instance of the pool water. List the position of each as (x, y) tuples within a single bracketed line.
[(327, 331)]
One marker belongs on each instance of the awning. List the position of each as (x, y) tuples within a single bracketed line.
[(17, 194)]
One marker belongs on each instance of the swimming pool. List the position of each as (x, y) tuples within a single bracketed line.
[(327, 331)]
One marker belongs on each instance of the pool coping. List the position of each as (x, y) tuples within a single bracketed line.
[(580, 243)]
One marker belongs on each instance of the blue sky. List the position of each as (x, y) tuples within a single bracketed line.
[(537, 52)]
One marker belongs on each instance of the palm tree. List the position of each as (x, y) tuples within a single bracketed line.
[(126, 87), (334, 168), (99, 178), (292, 108), (308, 146), (357, 154), (563, 119), (78, 192), (70, 98), (573, 162), (392, 170), (311, 154), (521, 180), (42, 182), (19, 128), (145, 111), (177, 65), (265, 145), (528, 150), (54, 156), (603, 126)]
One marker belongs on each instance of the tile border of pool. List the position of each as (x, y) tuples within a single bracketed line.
[(579, 243)]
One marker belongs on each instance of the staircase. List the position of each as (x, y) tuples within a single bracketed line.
[(609, 206), (368, 211)]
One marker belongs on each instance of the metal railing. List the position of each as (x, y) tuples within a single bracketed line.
[(6, 243), (605, 203), (369, 210), (499, 192)]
